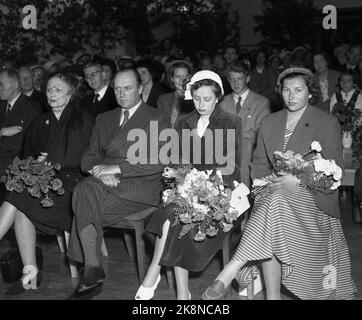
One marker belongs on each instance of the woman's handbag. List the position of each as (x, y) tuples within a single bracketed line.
[(12, 265)]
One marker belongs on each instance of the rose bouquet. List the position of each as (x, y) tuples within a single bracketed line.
[(202, 201), (36, 177), (316, 173)]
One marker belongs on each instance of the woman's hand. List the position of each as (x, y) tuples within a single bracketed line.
[(286, 184), (42, 157)]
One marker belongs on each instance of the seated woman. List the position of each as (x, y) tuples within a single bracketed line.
[(185, 254), (348, 95), (294, 232), (59, 136)]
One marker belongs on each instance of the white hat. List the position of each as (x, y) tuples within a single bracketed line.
[(202, 75)]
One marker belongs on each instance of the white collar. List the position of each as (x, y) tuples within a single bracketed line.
[(29, 93), (102, 92), (12, 102), (347, 94), (243, 96), (131, 111), (259, 70)]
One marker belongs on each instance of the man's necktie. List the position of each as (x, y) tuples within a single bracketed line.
[(125, 118), (8, 107), (95, 99), (238, 105)]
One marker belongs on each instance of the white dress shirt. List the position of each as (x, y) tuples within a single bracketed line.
[(202, 124), (131, 112), (243, 97), (101, 93)]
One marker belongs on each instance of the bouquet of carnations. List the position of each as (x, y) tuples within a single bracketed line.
[(37, 177), (316, 173), (202, 201)]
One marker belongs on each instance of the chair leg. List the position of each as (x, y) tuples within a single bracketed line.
[(226, 248), (104, 251), (140, 246), (129, 244), (61, 245), (72, 266)]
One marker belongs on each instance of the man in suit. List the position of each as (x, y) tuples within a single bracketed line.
[(250, 107), (16, 113), (27, 87), (118, 185), (102, 99)]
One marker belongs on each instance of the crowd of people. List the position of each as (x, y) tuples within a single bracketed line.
[(79, 114)]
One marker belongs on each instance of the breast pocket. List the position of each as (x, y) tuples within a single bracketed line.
[(249, 123)]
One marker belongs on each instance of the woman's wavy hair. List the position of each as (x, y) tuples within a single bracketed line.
[(209, 83), (70, 80), (311, 83)]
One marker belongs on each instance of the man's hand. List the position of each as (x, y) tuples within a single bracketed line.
[(99, 170), (10, 131), (109, 180)]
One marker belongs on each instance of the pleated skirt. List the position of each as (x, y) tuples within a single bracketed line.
[(309, 244)]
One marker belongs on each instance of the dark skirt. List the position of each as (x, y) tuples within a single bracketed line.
[(185, 252), (48, 220)]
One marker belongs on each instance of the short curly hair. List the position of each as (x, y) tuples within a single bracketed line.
[(311, 83)]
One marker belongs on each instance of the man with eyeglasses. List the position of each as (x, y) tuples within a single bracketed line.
[(102, 98), (249, 106)]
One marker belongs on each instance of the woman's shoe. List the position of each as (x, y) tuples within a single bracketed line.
[(147, 293), (19, 287), (216, 291)]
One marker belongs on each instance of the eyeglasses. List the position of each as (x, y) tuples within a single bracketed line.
[(91, 75)]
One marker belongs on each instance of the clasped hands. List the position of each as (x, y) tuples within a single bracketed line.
[(107, 174), (285, 183)]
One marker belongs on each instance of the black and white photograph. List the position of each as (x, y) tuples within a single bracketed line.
[(195, 150)]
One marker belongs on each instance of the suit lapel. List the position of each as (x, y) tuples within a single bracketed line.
[(138, 120), (247, 105), (299, 141)]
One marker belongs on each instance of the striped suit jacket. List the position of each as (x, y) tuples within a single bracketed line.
[(314, 125), (110, 145)]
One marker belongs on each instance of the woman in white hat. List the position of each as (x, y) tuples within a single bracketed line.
[(206, 90)]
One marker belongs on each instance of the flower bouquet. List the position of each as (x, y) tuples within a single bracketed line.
[(37, 177), (350, 120), (202, 201), (316, 173)]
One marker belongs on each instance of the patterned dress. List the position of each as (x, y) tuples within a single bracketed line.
[(309, 245)]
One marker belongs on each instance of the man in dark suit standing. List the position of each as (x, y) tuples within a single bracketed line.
[(16, 113), (119, 185), (250, 107), (27, 88), (102, 99)]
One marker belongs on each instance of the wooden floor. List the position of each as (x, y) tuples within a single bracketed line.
[(121, 282)]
